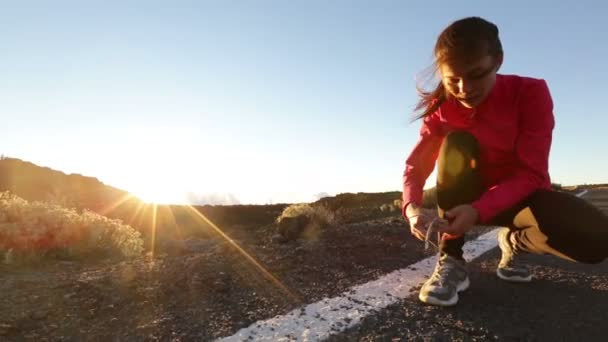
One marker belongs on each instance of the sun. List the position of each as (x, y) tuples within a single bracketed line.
[(152, 166), (155, 193), (156, 186)]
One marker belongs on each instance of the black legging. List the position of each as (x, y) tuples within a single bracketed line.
[(546, 221)]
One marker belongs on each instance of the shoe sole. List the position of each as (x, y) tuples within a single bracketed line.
[(452, 301), (513, 279)]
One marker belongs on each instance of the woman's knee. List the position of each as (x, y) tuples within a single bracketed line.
[(458, 177), (462, 141), (458, 156)]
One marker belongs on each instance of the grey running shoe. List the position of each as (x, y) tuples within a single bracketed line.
[(449, 278), (511, 267)]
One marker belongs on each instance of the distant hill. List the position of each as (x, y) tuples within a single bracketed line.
[(36, 183)]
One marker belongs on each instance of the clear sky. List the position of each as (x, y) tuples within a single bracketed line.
[(270, 101)]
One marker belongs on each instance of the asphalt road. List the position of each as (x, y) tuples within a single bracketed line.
[(565, 302)]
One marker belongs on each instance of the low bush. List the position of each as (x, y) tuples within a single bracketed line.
[(39, 229)]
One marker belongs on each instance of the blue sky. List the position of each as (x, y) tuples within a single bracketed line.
[(270, 101)]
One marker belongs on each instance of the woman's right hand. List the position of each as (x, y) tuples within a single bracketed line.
[(420, 219)]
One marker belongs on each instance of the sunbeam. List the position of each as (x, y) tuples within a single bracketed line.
[(247, 256), (137, 213), (107, 209), (154, 220)]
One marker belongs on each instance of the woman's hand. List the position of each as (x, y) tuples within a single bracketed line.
[(420, 220), (462, 217)]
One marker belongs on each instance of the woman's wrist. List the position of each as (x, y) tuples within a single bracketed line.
[(412, 209)]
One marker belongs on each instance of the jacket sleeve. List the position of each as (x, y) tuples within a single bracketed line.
[(421, 161), (532, 146)]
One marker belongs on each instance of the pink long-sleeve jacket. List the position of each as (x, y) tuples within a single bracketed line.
[(513, 125)]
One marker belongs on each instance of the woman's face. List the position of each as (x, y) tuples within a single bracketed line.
[(470, 83)]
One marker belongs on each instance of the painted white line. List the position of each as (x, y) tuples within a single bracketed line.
[(331, 316)]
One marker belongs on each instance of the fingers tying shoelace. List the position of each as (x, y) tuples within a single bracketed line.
[(433, 229)]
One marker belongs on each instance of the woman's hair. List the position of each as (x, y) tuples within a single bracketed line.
[(464, 40)]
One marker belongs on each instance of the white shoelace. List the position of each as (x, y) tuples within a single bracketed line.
[(442, 271), (430, 231)]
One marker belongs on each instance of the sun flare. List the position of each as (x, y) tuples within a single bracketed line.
[(157, 194)]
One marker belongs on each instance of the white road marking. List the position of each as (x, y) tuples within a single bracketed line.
[(330, 316)]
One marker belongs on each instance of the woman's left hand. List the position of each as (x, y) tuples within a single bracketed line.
[(462, 217)]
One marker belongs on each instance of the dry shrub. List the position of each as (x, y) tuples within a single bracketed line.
[(304, 221), (36, 229)]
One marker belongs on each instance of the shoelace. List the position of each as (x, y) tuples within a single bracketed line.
[(430, 231), (442, 270)]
